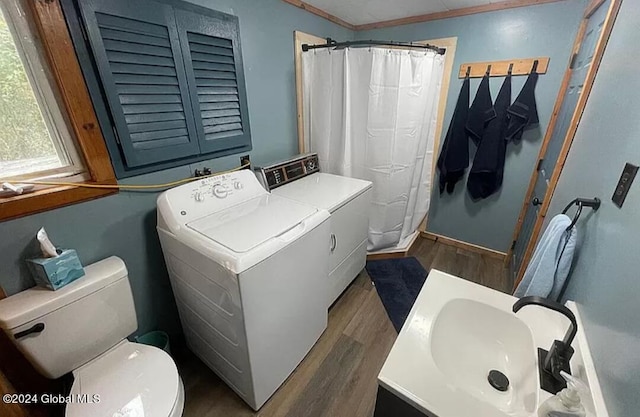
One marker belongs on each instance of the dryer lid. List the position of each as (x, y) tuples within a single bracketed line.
[(131, 380), (324, 190), (244, 226)]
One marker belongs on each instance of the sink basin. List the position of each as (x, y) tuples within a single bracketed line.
[(469, 339), (456, 333)]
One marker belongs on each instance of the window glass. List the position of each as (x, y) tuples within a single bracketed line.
[(34, 138)]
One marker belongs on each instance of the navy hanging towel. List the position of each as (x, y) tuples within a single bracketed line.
[(454, 156), (485, 177), (524, 111), (481, 111)]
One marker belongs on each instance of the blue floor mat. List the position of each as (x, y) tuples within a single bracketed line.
[(398, 282)]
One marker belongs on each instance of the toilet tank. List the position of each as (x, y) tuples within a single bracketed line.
[(58, 331)]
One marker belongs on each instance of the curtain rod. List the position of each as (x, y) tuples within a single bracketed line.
[(341, 45)]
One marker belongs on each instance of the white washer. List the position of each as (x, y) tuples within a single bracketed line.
[(347, 199), (247, 269)]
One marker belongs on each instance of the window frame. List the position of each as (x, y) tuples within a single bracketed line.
[(83, 122), (45, 94)]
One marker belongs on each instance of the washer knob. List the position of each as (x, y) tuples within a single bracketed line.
[(220, 191), (238, 185), (198, 196)]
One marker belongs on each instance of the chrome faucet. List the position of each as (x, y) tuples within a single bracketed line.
[(551, 362)]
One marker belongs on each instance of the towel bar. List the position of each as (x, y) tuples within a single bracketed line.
[(594, 203)]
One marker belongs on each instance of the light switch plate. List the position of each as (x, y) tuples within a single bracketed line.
[(626, 179)]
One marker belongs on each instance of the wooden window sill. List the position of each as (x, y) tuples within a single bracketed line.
[(48, 199)]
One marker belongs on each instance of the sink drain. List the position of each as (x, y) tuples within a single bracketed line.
[(498, 380)]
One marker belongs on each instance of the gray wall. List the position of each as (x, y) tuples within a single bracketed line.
[(605, 281), (124, 225), (543, 30)]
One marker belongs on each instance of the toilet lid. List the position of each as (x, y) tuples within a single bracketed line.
[(130, 380)]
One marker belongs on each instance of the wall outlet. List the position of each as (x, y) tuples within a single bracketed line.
[(245, 160), (626, 179)]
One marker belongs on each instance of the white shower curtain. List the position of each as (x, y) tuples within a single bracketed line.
[(370, 113)]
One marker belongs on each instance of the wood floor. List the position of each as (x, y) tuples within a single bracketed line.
[(338, 376), (472, 266)]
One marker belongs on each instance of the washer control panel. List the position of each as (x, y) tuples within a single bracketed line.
[(205, 196), (218, 187), (273, 176)]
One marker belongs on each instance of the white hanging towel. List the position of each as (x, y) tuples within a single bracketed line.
[(549, 267)]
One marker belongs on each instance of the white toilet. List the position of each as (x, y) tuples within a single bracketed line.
[(82, 328)]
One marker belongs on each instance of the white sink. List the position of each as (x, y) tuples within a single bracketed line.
[(469, 339), (457, 332)]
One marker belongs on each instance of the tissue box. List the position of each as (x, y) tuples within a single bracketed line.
[(55, 273)]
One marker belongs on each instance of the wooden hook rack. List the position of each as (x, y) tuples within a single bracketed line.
[(501, 68)]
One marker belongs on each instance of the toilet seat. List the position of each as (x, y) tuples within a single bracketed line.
[(131, 380)]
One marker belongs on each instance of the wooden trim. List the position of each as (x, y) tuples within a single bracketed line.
[(500, 68), (66, 71), (573, 127), (450, 44), (466, 11), (430, 236), (534, 177), (547, 137), (318, 12), (48, 199), (300, 38), (390, 255), (503, 5), (465, 245), (592, 7)]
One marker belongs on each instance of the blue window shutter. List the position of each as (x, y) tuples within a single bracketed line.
[(213, 64), (137, 52)]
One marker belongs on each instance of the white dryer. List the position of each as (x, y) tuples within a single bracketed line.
[(347, 199), (247, 269)]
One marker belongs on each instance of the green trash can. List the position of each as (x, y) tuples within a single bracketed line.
[(156, 338)]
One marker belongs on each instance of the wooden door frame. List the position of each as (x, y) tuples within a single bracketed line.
[(573, 127), (300, 38), (450, 44)]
